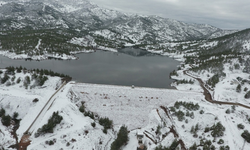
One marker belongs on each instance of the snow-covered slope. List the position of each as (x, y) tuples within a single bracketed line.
[(84, 15), (68, 27), (148, 111), (140, 109)]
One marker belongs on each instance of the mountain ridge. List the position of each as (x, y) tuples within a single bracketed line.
[(85, 13)]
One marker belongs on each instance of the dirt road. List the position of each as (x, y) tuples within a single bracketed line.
[(25, 141), (208, 95)]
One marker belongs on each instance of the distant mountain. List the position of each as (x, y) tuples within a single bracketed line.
[(63, 26), (238, 41), (215, 54), (234, 45), (83, 15)]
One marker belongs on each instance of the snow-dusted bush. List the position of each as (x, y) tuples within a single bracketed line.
[(246, 136), (180, 115), (217, 130), (5, 78), (6, 120), (52, 122), (2, 112), (238, 88), (213, 80), (106, 123), (173, 146), (82, 109), (188, 105), (122, 138), (247, 96), (93, 124)]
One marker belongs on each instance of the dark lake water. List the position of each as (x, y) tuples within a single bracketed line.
[(102, 67)]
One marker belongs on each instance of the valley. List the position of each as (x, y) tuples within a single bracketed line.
[(78, 76)]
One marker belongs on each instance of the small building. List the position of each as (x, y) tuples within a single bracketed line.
[(141, 145), (140, 136)]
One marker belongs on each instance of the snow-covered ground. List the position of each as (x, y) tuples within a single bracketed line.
[(192, 87), (137, 108), (112, 101), (213, 114), (12, 55), (225, 89), (15, 98)]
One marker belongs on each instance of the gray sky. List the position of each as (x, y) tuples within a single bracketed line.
[(225, 14)]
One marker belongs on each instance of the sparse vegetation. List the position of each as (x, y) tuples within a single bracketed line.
[(195, 129), (206, 144), (184, 82), (5, 78), (37, 77), (247, 95), (238, 88), (106, 123), (193, 147), (228, 111), (245, 89), (213, 80), (240, 126), (6, 120), (188, 105), (201, 111), (2, 112), (173, 73), (173, 146), (158, 130), (90, 114), (49, 127), (50, 142), (172, 109), (180, 115), (122, 138), (221, 141), (15, 115), (93, 124), (224, 147), (82, 108), (246, 136), (217, 130)]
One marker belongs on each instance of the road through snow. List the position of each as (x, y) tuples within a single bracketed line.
[(208, 96), (25, 141), (43, 111)]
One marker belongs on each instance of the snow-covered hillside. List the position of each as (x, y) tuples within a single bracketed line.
[(86, 16), (151, 112)]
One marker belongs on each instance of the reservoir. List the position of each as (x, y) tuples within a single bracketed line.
[(102, 67)]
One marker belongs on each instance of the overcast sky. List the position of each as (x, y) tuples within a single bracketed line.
[(225, 14)]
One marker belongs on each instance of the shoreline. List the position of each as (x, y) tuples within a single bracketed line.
[(72, 56)]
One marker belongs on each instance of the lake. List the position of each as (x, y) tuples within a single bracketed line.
[(103, 67)]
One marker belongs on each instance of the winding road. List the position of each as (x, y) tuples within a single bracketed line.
[(208, 95)]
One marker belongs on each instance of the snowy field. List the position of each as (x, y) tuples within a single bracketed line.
[(127, 105)]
